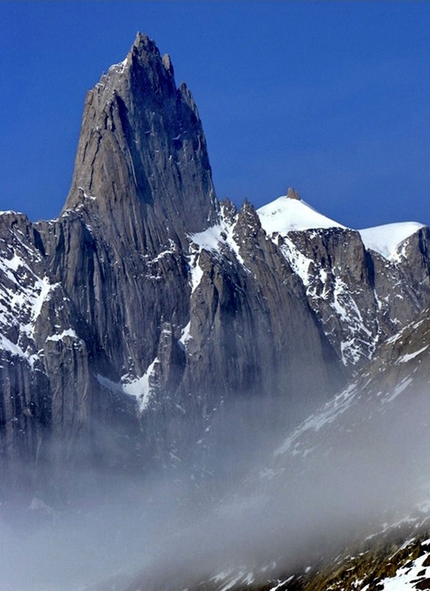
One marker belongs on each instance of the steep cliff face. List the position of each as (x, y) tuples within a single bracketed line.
[(362, 285), (50, 399), (142, 182), (142, 167), (148, 308)]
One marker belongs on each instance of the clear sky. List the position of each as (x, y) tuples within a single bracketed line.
[(332, 98)]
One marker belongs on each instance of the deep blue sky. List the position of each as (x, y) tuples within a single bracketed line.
[(332, 98)]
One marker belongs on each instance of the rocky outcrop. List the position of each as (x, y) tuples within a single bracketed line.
[(359, 296), (293, 194)]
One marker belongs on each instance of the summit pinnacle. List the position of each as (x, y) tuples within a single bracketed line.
[(142, 153), (293, 194)]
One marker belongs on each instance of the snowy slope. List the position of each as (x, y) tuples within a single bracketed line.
[(413, 575), (285, 215), (386, 239)]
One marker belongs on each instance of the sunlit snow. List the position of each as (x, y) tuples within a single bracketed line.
[(66, 333), (386, 239), (138, 387), (284, 215), (407, 576)]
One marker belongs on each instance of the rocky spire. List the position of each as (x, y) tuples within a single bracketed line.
[(142, 157), (293, 194)]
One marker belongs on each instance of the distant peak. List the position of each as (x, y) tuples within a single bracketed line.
[(290, 213), (293, 194)]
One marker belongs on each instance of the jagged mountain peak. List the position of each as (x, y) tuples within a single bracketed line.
[(150, 327), (142, 154), (143, 43), (143, 53), (143, 46)]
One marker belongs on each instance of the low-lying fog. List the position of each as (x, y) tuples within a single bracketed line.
[(252, 508)]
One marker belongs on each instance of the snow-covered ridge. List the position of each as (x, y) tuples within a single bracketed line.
[(386, 239), (284, 215), (11, 212), (328, 290)]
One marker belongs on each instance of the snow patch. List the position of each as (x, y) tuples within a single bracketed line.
[(70, 333), (214, 239), (387, 239), (409, 356), (120, 67), (186, 335), (196, 273), (209, 239), (140, 388), (407, 576), (298, 261)]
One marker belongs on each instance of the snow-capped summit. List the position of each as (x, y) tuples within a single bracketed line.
[(289, 212), (386, 239)]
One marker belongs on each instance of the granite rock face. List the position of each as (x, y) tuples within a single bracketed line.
[(148, 308), (359, 296)]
